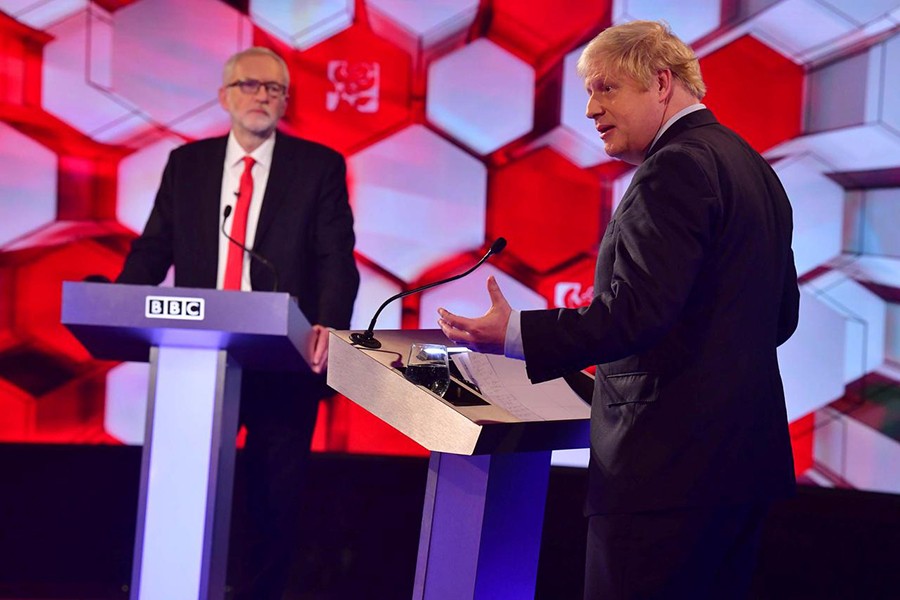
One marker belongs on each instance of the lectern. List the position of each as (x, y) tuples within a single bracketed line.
[(487, 475), (197, 341)]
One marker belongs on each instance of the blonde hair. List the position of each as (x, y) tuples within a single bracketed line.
[(639, 50), (228, 71)]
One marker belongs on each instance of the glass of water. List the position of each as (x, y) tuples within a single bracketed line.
[(429, 366)]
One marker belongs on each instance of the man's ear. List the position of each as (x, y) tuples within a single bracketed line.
[(664, 83)]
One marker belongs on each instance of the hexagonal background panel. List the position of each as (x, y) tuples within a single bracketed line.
[(139, 176), (482, 95), (418, 27), (77, 86), (350, 90), (546, 207), (703, 18), (302, 23), (540, 33), (813, 359), (818, 204), (171, 94), (27, 184), (576, 137), (402, 214), (461, 121)]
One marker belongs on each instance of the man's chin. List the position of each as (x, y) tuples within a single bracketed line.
[(261, 128), (612, 152)]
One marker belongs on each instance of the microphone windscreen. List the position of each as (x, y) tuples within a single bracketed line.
[(498, 245), (227, 212)]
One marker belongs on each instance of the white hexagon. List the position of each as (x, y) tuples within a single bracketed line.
[(27, 184), (419, 26), (170, 71), (374, 289), (884, 271), (703, 17), (869, 81), (826, 110), (139, 177), (892, 335), (879, 221), (812, 361), (796, 27), (862, 456), (861, 148), (818, 204), (41, 13), (888, 92), (126, 402), (866, 320), (77, 90), (468, 296), (303, 23), (862, 12), (620, 186), (482, 95), (416, 200)]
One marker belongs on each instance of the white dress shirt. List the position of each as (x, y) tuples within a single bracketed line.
[(231, 183)]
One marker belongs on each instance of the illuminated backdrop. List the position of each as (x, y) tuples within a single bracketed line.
[(462, 121)]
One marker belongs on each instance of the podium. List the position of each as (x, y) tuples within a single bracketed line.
[(197, 342), (487, 475)]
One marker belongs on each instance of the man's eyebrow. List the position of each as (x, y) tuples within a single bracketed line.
[(599, 80)]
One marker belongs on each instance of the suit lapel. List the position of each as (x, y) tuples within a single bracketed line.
[(209, 194), (281, 173)]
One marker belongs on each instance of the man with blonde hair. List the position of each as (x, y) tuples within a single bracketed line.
[(695, 288), (286, 199)]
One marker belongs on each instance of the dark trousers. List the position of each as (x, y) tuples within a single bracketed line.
[(279, 411), (700, 553)]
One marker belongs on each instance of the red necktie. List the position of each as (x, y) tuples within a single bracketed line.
[(235, 262)]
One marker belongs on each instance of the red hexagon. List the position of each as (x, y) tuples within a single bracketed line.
[(548, 209), (540, 33), (571, 286), (18, 410), (755, 91), (20, 77), (60, 411), (348, 91), (36, 272)]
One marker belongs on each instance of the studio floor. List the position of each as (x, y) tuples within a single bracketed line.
[(67, 529)]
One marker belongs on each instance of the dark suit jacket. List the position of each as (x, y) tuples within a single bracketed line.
[(695, 288), (305, 229)]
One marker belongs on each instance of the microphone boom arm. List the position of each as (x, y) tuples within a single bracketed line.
[(367, 338)]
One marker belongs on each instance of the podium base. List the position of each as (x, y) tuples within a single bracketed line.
[(481, 526)]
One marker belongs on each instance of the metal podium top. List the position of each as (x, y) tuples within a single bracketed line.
[(260, 330), (371, 378)]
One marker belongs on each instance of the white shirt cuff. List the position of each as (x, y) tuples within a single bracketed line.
[(513, 347)]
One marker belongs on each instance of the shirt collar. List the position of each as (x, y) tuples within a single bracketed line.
[(681, 113), (262, 155)]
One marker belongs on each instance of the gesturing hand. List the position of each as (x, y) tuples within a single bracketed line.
[(486, 333)]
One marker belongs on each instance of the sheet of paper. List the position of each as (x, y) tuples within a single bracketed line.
[(503, 382)]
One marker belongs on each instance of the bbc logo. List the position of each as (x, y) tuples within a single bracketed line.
[(167, 307)]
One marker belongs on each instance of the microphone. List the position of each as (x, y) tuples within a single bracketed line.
[(367, 339), (259, 257)]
